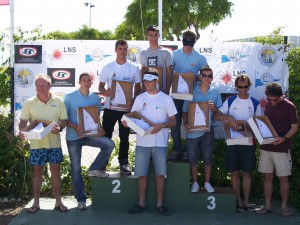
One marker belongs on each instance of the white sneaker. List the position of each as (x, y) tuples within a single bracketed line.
[(81, 206), (97, 173), (195, 187), (208, 187)]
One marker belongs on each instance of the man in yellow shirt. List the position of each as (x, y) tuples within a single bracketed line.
[(45, 106)]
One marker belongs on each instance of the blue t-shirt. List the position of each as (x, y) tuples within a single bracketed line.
[(212, 94), (73, 101), (186, 63)]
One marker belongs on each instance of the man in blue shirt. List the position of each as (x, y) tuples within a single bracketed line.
[(201, 143), (83, 98), (185, 60)]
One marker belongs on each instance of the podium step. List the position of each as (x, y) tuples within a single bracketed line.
[(120, 192)]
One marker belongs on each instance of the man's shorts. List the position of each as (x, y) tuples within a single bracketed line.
[(240, 157), (280, 161), (143, 155), (41, 156), (201, 147)]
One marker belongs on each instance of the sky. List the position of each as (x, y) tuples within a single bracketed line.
[(249, 18)]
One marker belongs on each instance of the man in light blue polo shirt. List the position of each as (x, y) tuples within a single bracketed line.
[(201, 143), (185, 60), (75, 141)]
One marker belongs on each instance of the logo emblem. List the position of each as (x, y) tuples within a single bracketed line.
[(61, 74), (267, 56), (24, 77), (28, 51)]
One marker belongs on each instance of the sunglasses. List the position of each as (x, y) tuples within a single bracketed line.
[(273, 100), (207, 75), (243, 87)]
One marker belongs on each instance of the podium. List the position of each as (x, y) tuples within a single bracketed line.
[(120, 192)]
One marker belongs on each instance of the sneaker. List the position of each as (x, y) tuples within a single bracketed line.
[(124, 169), (136, 209), (81, 206), (208, 187), (174, 155), (185, 156), (97, 173), (195, 187)]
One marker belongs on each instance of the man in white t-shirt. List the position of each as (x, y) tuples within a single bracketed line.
[(240, 157), (158, 108), (121, 70)]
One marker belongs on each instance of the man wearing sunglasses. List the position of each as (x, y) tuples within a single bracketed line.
[(185, 60), (276, 156), (240, 157), (201, 143)]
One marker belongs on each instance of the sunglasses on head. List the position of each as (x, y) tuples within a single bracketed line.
[(207, 75), (243, 87)]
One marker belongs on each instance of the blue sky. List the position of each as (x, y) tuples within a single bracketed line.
[(250, 18)]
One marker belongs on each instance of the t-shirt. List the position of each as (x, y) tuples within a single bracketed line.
[(281, 116), (126, 72), (212, 94), (157, 108), (188, 63), (241, 109), (160, 57), (73, 101)]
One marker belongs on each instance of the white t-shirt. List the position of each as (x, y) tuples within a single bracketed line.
[(157, 108), (125, 72), (241, 109)]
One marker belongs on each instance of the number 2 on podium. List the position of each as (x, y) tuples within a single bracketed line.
[(116, 184)]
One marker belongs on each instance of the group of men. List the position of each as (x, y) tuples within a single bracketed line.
[(157, 106)]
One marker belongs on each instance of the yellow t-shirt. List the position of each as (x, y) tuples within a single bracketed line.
[(54, 110)]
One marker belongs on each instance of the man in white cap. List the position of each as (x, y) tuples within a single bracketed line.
[(158, 108)]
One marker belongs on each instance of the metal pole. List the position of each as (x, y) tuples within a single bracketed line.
[(160, 20)]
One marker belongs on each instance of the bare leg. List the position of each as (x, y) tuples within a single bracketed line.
[(160, 184), (56, 182), (247, 180), (36, 184), (268, 189), (284, 191), (235, 182), (194, 172), (207, 172), (142, 187)]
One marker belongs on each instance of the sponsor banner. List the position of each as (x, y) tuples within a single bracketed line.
[(62, 77), (28, 54)]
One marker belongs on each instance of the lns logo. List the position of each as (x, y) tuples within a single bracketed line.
[(28, 51), (61, 74)]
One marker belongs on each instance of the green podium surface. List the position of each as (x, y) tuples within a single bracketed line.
[(120, 192)]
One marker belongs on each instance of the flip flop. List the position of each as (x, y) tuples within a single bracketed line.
[(61, 208), (286, 212), (263, 211), (239, 209), (33, 209)]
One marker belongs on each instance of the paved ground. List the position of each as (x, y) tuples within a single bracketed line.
[(47, 216)]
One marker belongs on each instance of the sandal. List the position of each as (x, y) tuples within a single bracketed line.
[(160, 210), (249, 209), (33, 209), (239, 209), (263, 211), (286, 212), (61, 208)]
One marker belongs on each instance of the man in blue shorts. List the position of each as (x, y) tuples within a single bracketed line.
[(159, 108), (45, 106), (240, 157), (75, 141)]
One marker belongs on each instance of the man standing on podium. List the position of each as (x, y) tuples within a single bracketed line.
[(158, 108)]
